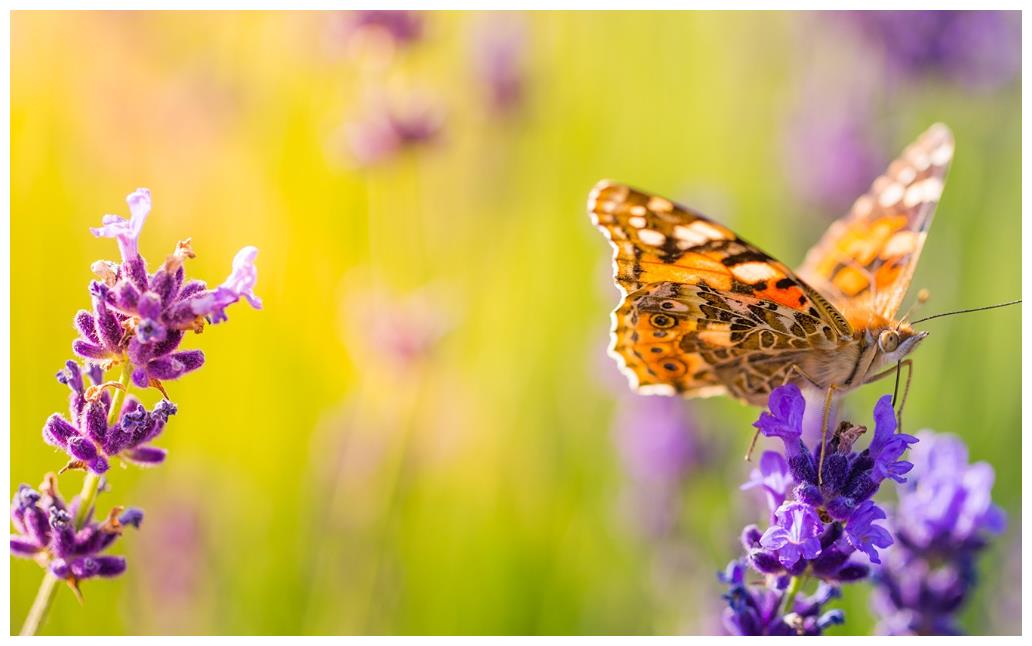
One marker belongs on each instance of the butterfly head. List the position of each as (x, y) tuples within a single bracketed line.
[(895, 342)]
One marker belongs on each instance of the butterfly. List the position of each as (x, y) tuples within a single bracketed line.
[(705, 313)]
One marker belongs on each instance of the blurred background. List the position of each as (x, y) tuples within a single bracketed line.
[(421, 432)]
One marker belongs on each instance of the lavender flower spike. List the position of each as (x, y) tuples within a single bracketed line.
[(127, 232), (240, 283), (795, 537)]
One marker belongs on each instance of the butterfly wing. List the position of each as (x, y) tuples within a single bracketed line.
[(865, 261), (699, 303)]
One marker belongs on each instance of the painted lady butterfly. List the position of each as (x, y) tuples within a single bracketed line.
[(706, 313)]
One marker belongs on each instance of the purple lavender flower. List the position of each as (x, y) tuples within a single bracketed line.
[(389, 128), (979, 49), (142, 318), (758, 609), (400, 28), (944, 519), (831, 154), (820, 524), (658, 448), (90, 442), (45, 532), (498, 52)]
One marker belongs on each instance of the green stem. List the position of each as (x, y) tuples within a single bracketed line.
[(87, 497), (790, 594), (38, 612), (91, 482)]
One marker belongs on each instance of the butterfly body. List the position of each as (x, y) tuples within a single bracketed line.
[(704, 313)]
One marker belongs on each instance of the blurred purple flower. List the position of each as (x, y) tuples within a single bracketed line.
[(401, 28), (142, 318), (499, 48), (944, 519), (390, 128), (656, 439), (45, 532), (396, 329), (979, 49), (831, 155)]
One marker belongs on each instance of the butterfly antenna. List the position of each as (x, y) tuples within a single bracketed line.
[(922, 298), (973, 309)]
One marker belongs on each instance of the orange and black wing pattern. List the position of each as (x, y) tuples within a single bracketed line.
[(703, 311), (865, 261)]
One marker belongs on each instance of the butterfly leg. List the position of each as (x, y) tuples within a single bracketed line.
[(909, 364), (824, 430)]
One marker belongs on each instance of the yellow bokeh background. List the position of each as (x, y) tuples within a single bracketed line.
[(315, 484)]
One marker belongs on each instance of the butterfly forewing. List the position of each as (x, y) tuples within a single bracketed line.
[(865, 261)]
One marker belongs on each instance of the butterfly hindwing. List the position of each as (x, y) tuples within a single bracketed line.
[(865, 261)]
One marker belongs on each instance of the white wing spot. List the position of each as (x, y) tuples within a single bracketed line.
[(901, 244), (893, 193), (918, 157), (902, 171), (943, 154), (863, 205), (657, 203), (754, 272), (637, 222), (650, 237), (707, 230), (927, 190), (686, 234)]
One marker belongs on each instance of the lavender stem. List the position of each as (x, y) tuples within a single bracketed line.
[(40, 605), (90, 484), (87, 497)]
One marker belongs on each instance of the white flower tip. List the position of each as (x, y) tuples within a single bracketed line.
[(245, 256), (139, 202)]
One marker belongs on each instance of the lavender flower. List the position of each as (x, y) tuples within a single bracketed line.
[(498, 52), (979, 49), (90, 441), (944, 519), (759, 609), (400, 28), (142, 318), (658, 449), (831, 154), (45, 532), (820, 525), (390, 127), (137, 322)]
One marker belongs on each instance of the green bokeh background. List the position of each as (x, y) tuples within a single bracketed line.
[(315, 487)]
